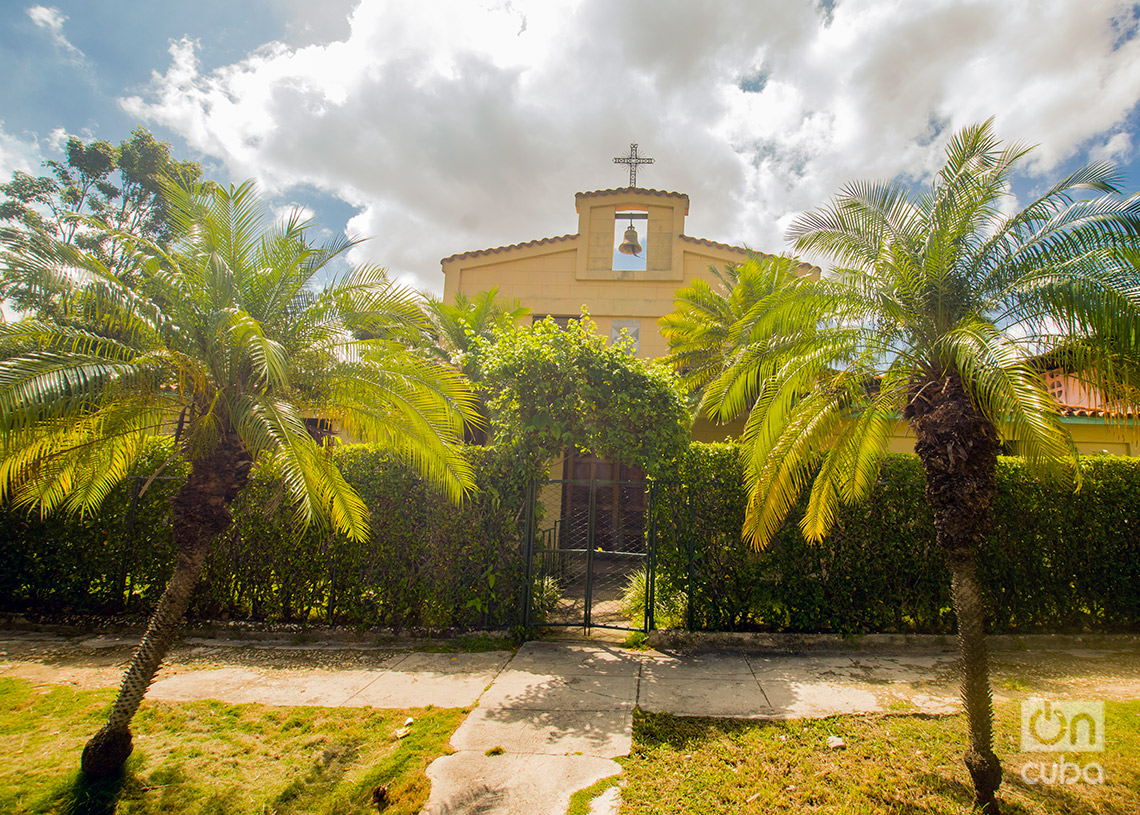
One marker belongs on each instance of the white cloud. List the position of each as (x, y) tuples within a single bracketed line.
[(460, 125), (1118, 148), (57, 139), (282, 214), (51, 19), (18, 154)]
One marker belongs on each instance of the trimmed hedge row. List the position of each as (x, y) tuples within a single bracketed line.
[(93, 563), (427, 562), (1055, 561)]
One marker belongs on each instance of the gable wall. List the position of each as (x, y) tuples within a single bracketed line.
[(547, 283)]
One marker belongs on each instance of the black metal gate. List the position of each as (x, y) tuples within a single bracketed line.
[(590, 554)]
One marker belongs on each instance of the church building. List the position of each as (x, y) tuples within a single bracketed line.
[(624, 264)]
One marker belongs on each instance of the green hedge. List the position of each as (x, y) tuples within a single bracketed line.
[(1055, 561), (95, 563), (427, 562)]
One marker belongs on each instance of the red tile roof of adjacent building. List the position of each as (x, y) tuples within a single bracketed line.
[(1084, 411), (498, 249)]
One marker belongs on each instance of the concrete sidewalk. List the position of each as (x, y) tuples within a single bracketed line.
[(408, 680), (546, 721)]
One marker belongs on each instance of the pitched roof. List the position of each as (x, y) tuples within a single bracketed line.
[(498, 249), (728, 247)]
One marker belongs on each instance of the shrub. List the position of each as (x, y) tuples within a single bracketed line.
[(116, 560), (552, 389), (668, 608), (544, 597), (427, 562), (1055, 560)]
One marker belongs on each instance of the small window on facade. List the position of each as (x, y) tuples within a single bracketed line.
[(561, 320), (630, 247), (626, 328)]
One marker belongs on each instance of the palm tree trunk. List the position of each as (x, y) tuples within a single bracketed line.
[(200, 512), (958, 449)]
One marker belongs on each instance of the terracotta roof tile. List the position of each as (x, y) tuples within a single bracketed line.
[(627, 190), (498, 249), (1084, 411), (717, 245)]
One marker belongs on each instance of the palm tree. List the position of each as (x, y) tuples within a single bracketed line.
[(455, 326), (458, 332), (225, 342), (711, 319), (940, 310)]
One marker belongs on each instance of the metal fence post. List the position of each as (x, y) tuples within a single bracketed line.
[(690, 610), (330, 612), (592, 519), (651, 560), (528, 553)]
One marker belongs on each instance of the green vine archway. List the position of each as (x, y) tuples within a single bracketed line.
[(552, 389)]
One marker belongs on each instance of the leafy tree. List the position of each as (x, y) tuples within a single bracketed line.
[(100, 193), (223, 341), (940, 310), (556, 388)]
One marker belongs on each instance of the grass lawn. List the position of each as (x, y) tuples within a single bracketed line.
[(208, 757), (892, 764)]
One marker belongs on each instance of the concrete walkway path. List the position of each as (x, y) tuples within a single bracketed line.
[(550, 724), (407, 680), (558, 714)]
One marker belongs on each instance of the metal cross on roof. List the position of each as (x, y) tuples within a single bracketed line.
[(633, 160)]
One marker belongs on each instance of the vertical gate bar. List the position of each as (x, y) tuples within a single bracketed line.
[(592, 516), (330, 605), (651, 560), (528, 552), (690, 611)]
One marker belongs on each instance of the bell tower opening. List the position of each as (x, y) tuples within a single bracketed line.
[(631, 238)]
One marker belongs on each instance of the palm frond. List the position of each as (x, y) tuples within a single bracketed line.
[(779, 475), (414, 406), (935, 283), (315, 486), (223, 331)]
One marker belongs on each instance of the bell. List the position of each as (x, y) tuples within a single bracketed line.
[(630, 246)]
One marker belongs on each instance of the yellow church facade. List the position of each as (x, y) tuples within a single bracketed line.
[(558, 276), (628, 294)]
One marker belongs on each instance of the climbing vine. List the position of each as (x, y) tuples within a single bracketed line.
[(551, 389)]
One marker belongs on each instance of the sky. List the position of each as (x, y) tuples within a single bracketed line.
[(442, 126)]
